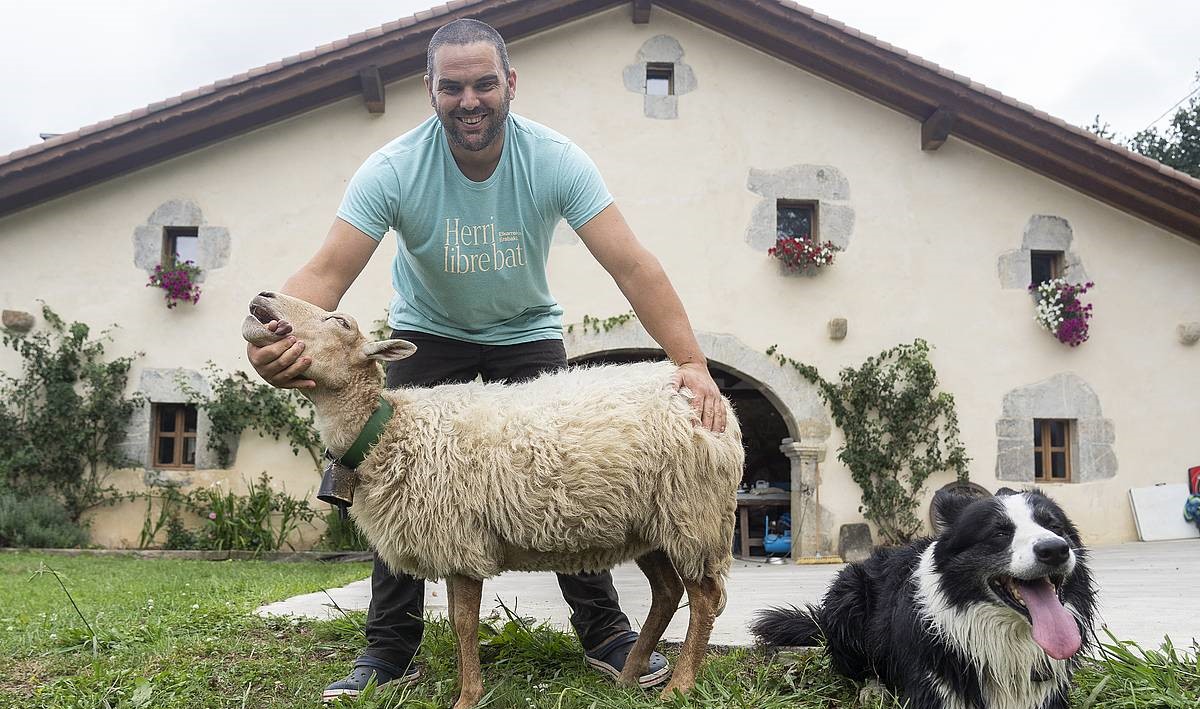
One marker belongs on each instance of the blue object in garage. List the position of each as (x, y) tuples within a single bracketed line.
[(777, 543)]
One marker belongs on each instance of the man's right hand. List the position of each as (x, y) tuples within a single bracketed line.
[(280, 364)]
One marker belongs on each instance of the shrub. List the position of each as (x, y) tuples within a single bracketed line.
[(341, 534), (260, 520), (39, 522)]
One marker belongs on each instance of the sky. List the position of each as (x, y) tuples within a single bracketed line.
[(65, 64)]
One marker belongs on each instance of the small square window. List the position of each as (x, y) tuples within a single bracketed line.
[(174, 442), (1052, 450), (660, 79), (795, 220), (180, 244), (1045, 266)]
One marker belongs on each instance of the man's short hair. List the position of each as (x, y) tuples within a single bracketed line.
[(465, 31)]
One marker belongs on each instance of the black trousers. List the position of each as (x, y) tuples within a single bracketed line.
[(394, 622)]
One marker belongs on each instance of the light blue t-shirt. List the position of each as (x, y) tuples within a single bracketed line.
[(471, 256)]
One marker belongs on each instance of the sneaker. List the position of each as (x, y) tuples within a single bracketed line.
[(609, 658), (368, 669)]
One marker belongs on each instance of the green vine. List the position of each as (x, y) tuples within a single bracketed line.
[(898, 432), (596, 325), (63, 420), (238, 403)]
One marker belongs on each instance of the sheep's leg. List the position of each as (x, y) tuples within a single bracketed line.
[(463, 595), (703, 598), (666, 589)]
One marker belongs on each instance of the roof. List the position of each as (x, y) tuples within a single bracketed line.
[(940, 99)]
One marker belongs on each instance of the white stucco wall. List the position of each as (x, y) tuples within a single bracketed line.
[(922, 260)]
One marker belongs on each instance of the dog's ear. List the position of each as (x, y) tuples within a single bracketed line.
[(947, 506)]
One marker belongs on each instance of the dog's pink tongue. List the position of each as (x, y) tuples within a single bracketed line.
[(1054, 628)]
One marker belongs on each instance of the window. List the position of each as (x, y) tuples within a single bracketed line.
[(174, 436), (660, 79), (795, 219), (181, 244), (1045, 265), (1052, 450)]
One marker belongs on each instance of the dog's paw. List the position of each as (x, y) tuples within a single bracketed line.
[(873, 695)]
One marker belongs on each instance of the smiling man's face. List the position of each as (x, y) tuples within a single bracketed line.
[(471, 93)]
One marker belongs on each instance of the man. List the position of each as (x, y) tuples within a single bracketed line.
[(474, 194)]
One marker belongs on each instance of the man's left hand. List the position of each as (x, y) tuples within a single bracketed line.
[(706, 400)]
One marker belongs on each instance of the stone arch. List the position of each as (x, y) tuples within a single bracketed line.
[(796, 399), (794, 396)]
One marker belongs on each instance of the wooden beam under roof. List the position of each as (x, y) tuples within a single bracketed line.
[(641, 12), (373, 92), (936, 128)]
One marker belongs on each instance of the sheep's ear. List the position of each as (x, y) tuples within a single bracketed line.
[(389, 350)]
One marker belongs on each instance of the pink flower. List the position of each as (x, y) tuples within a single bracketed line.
[(212, 515)]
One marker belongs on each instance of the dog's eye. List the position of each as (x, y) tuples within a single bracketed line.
[(1002, 532)]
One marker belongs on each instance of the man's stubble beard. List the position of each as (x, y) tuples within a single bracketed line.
[(496, 125)]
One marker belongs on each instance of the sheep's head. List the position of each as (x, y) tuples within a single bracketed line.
[(332, 340)]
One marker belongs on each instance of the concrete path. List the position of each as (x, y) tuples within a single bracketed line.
[(1147, 591)]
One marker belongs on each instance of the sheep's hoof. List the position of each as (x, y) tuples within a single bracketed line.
[(672, 690), (627, 678)]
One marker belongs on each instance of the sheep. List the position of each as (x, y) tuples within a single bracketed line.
[(575, 471)]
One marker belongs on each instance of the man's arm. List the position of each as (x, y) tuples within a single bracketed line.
[(322, 281), (645, 285)]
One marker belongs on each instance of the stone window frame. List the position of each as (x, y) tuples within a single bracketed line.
[(170, 386), (1065, 396), (660, 50), (1042, 233), (149, 248), (823, 186)]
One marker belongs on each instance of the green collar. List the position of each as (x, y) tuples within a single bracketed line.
[(370, 434)]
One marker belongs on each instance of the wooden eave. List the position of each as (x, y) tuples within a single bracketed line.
[(910, 85)]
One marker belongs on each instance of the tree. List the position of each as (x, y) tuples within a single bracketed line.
[(1177, 146)]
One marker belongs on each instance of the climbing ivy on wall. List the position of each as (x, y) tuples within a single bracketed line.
[(898, 428), (63, 418), (238, 403)]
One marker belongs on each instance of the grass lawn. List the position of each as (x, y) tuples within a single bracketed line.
[(168, 633)]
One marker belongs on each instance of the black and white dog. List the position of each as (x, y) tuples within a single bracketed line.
[(989, 615)]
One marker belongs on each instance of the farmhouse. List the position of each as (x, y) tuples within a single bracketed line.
[(718, 126)]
